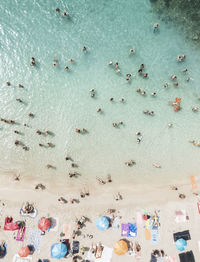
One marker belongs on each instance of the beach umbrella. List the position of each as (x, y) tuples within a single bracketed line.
[(44, 224), (120, 247), (58, 250), (103, 223), (24, 251), (181, 244)]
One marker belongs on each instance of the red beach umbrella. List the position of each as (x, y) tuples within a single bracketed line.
[(24, 252), (44, 224)]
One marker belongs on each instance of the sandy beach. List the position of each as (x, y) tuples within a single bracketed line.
[(161, 199)]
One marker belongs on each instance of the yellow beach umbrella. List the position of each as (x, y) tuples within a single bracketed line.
[(121, 247)]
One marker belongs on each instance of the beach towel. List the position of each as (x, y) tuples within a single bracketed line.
[(139, 219), (67, 231), (147, 234), (154, 235), (54, 223), (193, 182), (17, 258), (180, 216), (35, 238), (124, 230), (20, 234), (132, 230), (187, 257), (116, 224)]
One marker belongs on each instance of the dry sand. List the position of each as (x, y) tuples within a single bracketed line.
[(135, 198)]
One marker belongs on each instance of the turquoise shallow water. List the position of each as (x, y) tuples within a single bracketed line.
[(61, 100)]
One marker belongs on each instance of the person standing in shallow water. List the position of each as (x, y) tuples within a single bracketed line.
[(155, 27)]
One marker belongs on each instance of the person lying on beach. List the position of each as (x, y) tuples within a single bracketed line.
[(100, 181), (130, 163), (40, 186), (62, 200), (28, 208), (80, 223), (156, 165), (174, 188), (108, 178), (182, 196)]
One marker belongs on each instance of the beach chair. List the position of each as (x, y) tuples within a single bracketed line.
[(124, 230), (75, 247), (184, 234), (187, 257)]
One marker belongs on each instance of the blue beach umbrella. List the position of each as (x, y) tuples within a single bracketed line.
[(181, 244), (103, 223), (58, 250)]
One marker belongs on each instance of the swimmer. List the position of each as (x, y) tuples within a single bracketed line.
[(111, 99), (38, 132), (110, 63), (78, 130), (16, 132), (184, 70), (128, 75), (65, 13), (114, 124), (116, 64), (8, 83), (140, 71), (117, 70), (145, 75), (71, 60), (55, 63), (31, 114), (166, 85), (195, 108), (33, 63), (17, 142), (25, 148), (120, 123), (46, 132), (143, 93), (141, 66), (49, 144), (131, 51), (155, 27), (21, 86), (138, 133), (151, 113), (66, 68), (153, 94), (175, 83), (48, 166), (57, 10), (139, 90), (92, 90), (84, 130), (173, 77), (170, 124), (41, 145), (99, 110), (92, 95), (121, 99), (146, 111), (156, 165), (84, 48), (19, 100), (138, 140)]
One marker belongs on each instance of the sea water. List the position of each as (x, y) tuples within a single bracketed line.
[(61, 100)]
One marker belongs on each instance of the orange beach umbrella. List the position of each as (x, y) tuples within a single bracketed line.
[(120, 247), (24, 251), (44, 224)]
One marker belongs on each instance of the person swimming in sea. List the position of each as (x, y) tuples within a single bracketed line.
[(155, 27), (33, 62)]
